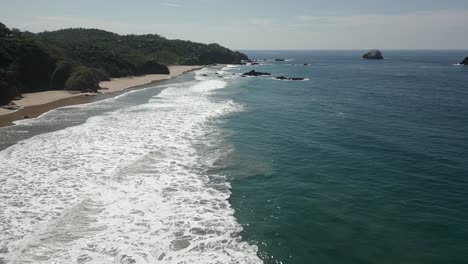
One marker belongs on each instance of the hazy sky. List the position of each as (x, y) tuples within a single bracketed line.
[(260, 24)]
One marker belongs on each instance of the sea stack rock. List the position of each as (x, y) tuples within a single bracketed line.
[(373, 55), (464, 62)]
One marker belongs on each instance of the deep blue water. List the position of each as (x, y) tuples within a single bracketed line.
[(366, 162)]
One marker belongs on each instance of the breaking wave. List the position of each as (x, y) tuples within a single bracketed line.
[(127, 186)]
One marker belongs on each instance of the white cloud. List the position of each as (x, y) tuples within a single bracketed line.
[(260, 21), (445, 29), (171, 5), (442, 29)]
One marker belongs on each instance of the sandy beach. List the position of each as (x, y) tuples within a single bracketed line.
[(119, 84), (34, 104)]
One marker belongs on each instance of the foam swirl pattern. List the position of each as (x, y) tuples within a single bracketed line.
[(127, 186)]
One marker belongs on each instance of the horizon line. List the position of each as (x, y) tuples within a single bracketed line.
[(391, 49)]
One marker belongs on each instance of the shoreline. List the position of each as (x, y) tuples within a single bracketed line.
[(35, 104)]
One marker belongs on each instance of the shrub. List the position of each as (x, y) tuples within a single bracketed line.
[(60, 75), (152, 67), (84, 79), (8, 89)]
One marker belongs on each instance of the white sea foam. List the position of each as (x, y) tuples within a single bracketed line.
[(128, 186), (201, 75), (230, 66), (305, 79), (57, 114)]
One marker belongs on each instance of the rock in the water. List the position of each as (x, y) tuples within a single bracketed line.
[(373, 55), (10, 106), (279, 59), (464, 62), (255, 73), (289, 78)]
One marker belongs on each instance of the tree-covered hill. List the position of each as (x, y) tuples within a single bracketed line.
[(77, 59)]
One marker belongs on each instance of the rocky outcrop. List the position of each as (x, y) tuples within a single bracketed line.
[(255, 73), (279, 59), (464, 62), (10, 106), (289, 78), (373, 55)]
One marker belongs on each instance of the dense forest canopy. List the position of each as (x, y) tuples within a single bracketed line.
[(78, 58)]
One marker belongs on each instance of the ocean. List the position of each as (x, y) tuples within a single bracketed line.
[(362, 162)]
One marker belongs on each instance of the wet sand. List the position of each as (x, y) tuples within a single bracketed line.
[(35, 104)]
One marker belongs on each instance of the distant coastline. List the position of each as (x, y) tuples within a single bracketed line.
[(35, 104)]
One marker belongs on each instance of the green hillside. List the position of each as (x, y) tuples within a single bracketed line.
[(78, 58)]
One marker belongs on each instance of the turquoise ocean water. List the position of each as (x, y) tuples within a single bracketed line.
[(363, 162), (367, 162)]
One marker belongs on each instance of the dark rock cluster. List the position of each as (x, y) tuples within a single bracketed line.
[(373, 55), (255, 73), (464, 62), (289, 78)]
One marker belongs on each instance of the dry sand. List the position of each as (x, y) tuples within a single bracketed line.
[(119, 84), (46, 99)]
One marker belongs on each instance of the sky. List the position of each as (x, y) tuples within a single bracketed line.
[(260, 24)]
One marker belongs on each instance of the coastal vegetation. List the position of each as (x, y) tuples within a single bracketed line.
[(78, 59)]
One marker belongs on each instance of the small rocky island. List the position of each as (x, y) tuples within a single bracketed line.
[(374, 54), (464, 62)]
